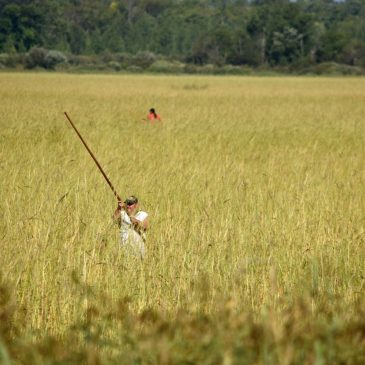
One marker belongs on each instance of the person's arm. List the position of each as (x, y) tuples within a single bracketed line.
[(140, 225), (117, 214)]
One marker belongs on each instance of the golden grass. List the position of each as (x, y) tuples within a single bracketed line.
[(255, 189)]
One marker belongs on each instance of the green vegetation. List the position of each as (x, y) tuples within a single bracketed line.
[(255, 189), (287, 36)]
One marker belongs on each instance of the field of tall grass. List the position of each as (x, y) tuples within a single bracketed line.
[(255, 189)]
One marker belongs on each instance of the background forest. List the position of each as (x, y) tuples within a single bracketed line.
[(181, 35)]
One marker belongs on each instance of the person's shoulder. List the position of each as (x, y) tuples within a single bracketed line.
[(124, 215), (141, 215)]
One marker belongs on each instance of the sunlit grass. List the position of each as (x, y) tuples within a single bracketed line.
[(254, 186)]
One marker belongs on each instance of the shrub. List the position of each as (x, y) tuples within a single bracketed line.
[(190, 68), (40, 57), (234, 70), (82, 60), (15, 60), (3, 59), (333, 68), (207, 69), (114, 65), (107, 56), (144, 59), (135, 69), (54, 58), (36, 57), (166, 67), (125, 59)]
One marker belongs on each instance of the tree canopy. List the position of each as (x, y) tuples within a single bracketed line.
[(236, 32)]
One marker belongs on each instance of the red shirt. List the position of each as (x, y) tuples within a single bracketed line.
[(151, 116)]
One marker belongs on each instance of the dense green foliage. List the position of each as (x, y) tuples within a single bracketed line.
[(236, 32)]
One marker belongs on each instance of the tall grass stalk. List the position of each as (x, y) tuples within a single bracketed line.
[(254, 186)]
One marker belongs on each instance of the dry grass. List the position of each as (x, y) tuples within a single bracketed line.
[(255, 188)]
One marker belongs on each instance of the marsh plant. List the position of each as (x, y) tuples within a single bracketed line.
[(255, 190)]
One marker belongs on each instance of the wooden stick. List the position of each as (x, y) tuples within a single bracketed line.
[(94, 158)]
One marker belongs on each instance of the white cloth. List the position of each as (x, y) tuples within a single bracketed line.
[(129, 238)]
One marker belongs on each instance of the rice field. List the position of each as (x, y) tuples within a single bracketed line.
[(255, 189)]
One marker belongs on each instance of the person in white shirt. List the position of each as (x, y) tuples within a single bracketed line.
[(133, 226)]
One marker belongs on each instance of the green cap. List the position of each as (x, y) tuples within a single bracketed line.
[(131, 200)]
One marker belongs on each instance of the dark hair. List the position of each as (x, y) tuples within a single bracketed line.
[(152, 110)]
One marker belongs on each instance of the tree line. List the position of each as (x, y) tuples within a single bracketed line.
[(258, 33)]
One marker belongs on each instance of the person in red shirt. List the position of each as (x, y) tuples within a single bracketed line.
[(153, 115)]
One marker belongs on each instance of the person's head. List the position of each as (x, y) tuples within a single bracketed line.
[(153, 111), (131, 204)]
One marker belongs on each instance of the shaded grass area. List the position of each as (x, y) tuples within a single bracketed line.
[(115, 334)]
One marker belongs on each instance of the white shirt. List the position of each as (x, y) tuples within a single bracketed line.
[(128, 236)]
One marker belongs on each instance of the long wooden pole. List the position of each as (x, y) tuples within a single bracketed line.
[(94, 158)]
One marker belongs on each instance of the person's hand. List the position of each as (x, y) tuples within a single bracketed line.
[(120, 205), (134, 221)]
